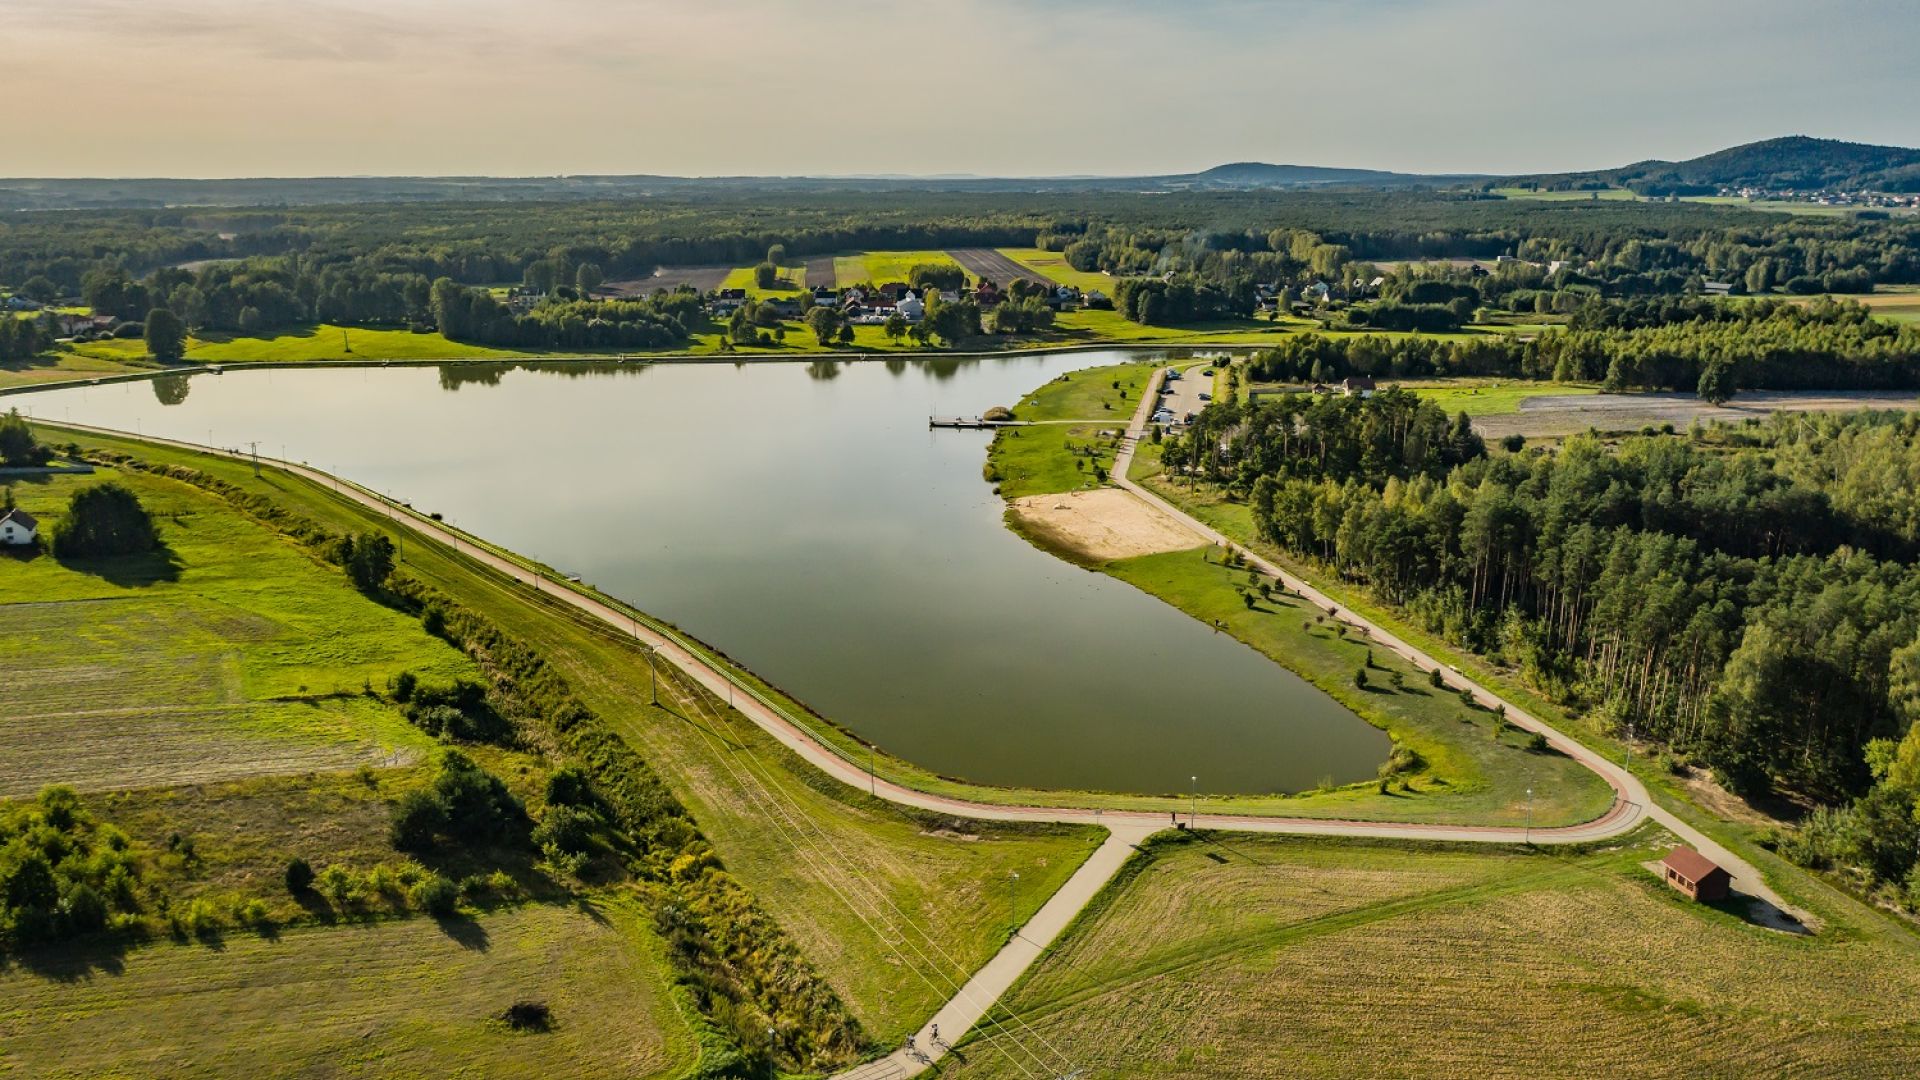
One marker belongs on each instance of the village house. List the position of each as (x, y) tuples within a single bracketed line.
[(17, 527), (911, 308), (1696, 875), (1357, 384)]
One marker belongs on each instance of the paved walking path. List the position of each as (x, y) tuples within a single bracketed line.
[(1125, 828)]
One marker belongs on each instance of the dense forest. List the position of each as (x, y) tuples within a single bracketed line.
[(1745, 595)]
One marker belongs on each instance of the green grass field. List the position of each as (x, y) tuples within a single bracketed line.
[(1231, 956), (1490, 397), (792, 273), (866, 889), (881, 267), (1032, 461), (391, 999), (230, 654), (1052, 266)]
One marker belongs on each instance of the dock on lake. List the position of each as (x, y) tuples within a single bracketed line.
[(971, 422)]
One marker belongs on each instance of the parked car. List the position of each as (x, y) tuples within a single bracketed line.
[(1206, 397)]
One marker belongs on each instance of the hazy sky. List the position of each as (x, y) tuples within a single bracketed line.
[(708, 87)]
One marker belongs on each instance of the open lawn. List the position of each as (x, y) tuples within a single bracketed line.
[(230, 653), (1230, 956), (892, 907), (1036, 460), (1490, 397), (410, 998)]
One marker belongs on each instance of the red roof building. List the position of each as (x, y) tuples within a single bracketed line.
[(1696, 875)]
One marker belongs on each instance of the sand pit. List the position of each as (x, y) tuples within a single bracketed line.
[(1103, 524)]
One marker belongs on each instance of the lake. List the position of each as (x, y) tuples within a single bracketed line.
[(802, 518)]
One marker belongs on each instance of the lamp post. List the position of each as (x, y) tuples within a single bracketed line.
[(1013, 900), (1193, 804), (1529, 831)]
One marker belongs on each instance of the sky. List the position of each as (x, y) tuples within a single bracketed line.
[(219, 88)]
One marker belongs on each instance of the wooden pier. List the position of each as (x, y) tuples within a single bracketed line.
[(971, 422)]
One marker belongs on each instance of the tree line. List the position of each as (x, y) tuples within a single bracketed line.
[(1747, 595)]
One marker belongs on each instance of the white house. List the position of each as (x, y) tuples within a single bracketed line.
[(17, 527), (910, 308)]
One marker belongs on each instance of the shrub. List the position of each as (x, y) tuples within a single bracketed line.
[(436, 896), (403, 686), (1435, 679), (529, 1015), (1360, 677), (299, 875)]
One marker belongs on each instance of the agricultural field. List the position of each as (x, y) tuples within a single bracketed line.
[(864, 887), (991, 265), (1222, 955), (792, 275), (1900, 303), (1605, 195), (229, 654), (1052, 266), (701, 278), (881, 267), (408, 998), (821, 270)]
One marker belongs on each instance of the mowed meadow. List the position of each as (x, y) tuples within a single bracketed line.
[(229, 653), (1226, 956)]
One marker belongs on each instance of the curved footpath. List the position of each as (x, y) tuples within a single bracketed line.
[(1126, 829)]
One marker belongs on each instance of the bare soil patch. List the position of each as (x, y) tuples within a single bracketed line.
[(995, 267), (1557, 414), (703, 278), (1103, 524), (820, 271)]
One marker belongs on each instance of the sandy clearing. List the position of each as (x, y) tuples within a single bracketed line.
[(1103, 524), (1557, 414)]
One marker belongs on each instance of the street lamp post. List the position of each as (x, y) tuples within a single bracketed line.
[(1193, 804), (1013, 900), (1529, 832)]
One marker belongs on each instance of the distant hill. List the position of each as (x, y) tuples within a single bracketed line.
[(1796, 162)]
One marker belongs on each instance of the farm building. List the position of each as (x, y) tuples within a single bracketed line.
[(17, 527), (910, 308), (1696, 875), (1357, 384)]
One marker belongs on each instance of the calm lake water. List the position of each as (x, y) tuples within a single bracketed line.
[(803, 519)]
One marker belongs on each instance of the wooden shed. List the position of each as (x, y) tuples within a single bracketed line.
[(1696, 875)]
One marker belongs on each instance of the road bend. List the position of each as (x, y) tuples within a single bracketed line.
[(1126, 830)]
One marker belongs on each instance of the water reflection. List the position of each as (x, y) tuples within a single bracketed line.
[(815, 529)]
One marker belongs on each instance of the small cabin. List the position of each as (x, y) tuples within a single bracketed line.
[(1696, 875), (17, 527)]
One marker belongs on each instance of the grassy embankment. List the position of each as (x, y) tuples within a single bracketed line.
[(1471, 773), (894, 908), (1220, 955), (1489, 397)]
